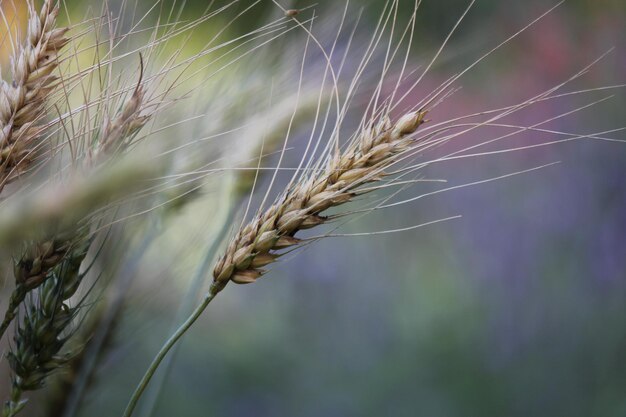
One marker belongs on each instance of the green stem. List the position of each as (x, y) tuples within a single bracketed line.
[(164, 351), (185, 309)]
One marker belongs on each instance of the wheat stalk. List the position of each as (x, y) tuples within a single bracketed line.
[(23, 102), (300, 207)]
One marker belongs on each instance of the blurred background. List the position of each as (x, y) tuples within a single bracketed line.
[(516, 309)]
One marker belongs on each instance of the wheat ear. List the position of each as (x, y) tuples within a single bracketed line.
[(23, 102), (300, 206)]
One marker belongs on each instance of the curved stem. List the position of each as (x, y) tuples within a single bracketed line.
[(164, 351), (185, 309)]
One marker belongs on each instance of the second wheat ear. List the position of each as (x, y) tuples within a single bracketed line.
[(41, 257)]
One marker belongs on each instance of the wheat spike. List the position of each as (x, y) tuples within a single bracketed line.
[(23, 102), (300, 207), (119, 131)]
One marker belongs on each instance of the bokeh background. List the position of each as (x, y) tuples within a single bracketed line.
[(516, 309)]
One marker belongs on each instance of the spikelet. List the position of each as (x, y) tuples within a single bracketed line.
[(23, 102), (31, 271), (301, 206)]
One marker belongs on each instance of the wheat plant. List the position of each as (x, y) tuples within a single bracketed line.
[(123, 126)]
